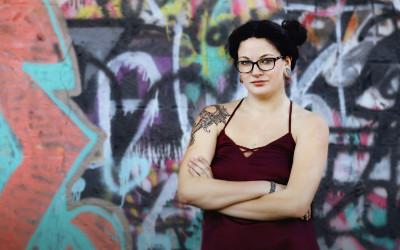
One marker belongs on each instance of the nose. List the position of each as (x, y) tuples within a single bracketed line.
[(257, 71)]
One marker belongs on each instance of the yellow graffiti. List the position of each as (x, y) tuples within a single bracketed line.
[(251, 4), (87, 12), (95, 11), (153, 177), (190, 53), (175, 8)]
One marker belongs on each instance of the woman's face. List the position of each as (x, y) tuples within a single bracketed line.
[(261, 82)]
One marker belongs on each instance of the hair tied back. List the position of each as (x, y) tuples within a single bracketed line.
[(296, 32)]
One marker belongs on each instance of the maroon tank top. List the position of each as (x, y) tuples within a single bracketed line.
[(270, 162)]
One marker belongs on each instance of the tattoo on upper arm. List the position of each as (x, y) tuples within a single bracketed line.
[(209, 118)]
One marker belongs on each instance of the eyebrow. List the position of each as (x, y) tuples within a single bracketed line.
[(245, 57)]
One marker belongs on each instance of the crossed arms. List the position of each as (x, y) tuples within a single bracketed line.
[(250, 199)]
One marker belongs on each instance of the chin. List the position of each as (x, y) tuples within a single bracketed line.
[(260, 89), (262, 93)]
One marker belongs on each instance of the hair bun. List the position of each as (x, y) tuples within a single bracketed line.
[(296, 32)]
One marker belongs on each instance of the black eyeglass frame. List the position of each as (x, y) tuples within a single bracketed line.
[(253, 63)]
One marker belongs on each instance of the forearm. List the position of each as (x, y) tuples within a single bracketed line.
[(212, 194), (275, 206)]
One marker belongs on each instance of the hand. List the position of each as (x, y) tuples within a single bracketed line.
[(279, 187), (307, 216), (198, 166)]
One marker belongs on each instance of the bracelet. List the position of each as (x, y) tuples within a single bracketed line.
[(273, 187)]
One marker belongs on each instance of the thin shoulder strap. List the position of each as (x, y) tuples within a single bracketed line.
[(290, 117), (230, 117)]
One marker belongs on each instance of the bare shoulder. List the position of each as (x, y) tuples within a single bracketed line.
[(228, 106), (306, 122), (217, 113), (212, 118)]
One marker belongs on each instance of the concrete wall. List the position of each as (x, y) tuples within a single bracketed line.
[(97, 98)]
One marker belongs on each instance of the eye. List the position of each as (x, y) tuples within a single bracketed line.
[(244, 63), (267, 61)]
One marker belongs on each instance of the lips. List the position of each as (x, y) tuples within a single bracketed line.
[(259, 82)]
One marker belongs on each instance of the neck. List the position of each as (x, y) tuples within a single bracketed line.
[(270, 104)]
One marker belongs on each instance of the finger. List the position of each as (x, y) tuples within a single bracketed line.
[(305, 217), (203, 160), (308, 214), (208, 173), (192, 172), (195, 162), (280, 187), (201, 165), (195, 169), (196, 159), (204, 167), (199, 170)]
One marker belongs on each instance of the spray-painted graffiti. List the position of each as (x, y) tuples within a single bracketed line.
[(146, 68), (46, 140)]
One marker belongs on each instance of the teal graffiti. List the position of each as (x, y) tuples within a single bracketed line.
[(158, 241), (192, 91), (377, 216), (215, 63), (353, 219), (10, 152), (55, 229), (194, 232)]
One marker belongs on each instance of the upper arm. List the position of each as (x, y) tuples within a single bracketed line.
[(203, 138), (309, 162)]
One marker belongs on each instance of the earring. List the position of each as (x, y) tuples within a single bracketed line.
[(288, 72)]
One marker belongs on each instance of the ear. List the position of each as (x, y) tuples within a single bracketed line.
[(288, 61)]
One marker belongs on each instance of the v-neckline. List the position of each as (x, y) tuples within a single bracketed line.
[(243, 149), (253, 149)]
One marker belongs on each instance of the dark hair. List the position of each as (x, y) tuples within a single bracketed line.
[(285, 37)]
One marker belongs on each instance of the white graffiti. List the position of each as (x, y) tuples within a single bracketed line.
[(131, 161)]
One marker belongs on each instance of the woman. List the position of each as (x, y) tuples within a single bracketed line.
[(254, 165)]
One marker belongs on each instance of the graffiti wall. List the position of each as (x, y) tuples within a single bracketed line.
[(97, 98)]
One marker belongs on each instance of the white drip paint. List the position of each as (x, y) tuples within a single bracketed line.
[(180, 99), (148, 237), (146, 65), (104, 107), (77, 189), (342, 101), (157, 15), (348, 8)]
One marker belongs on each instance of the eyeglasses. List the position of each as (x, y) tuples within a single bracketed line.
[(264, 64)]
